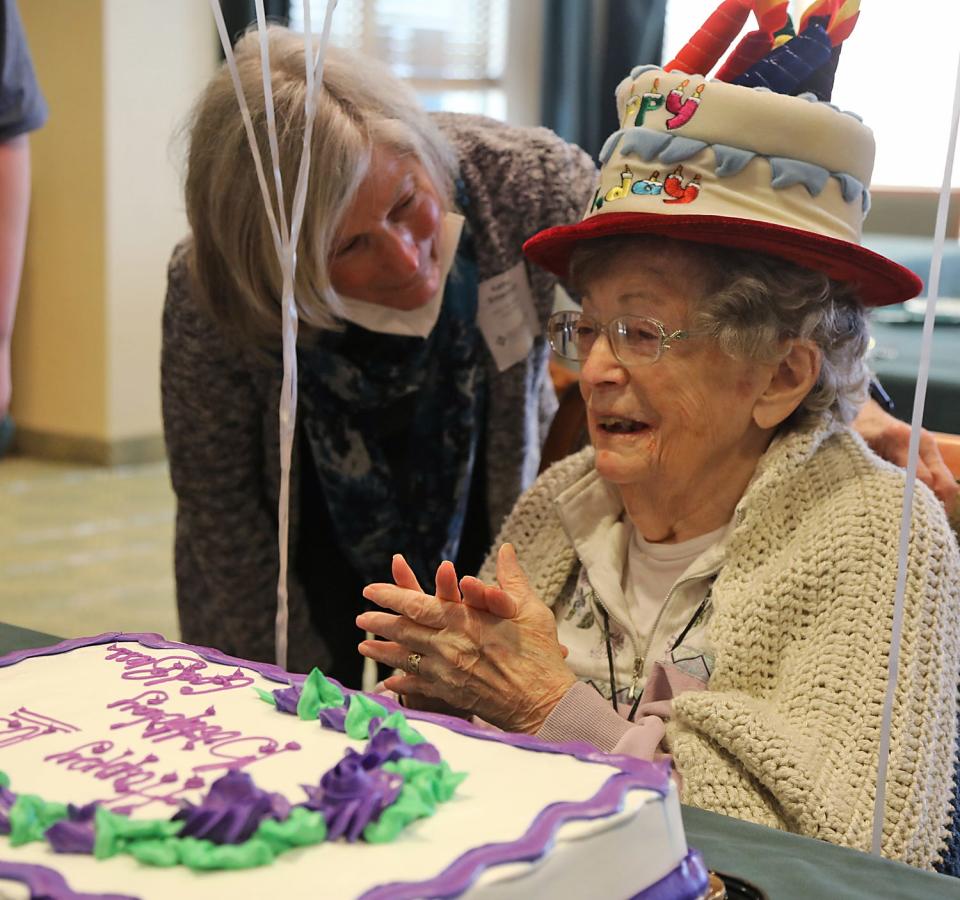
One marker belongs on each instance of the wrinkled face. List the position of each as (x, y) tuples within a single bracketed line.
[(385, 251), (684, 420)]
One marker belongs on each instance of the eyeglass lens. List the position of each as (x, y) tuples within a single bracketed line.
[(633, 338)]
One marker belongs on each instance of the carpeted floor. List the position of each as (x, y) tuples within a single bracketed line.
[(86, 549)]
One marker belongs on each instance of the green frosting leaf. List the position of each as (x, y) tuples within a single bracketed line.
[(203, 855), (266, 696), (362, 710), (4, 780), (408, 734), (317, 693), (300, 829), (447, 782), (30, 817), (154, 843), (408, 806), (114, 833), (436, 782), (163, 854)]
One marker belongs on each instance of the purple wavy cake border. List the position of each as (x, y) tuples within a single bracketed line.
[(687, 880)]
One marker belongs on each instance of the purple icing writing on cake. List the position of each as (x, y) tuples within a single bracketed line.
[(174, 667), (136, 782), (164, 725), (138, 779), (24, 725)]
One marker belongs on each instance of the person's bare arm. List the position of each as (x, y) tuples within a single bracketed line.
[(890, 438), (14, 207)]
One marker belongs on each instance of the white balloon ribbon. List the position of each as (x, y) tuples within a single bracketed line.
[(919, 398), (285, 243)]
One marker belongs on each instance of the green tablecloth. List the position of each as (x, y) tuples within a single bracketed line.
[(784, 865), (13, 637), (789, 867), (915, 252), (896, 359)]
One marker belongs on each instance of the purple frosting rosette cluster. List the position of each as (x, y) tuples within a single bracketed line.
[(77, 832), (356, 791), (7, 799), (318, 698), (232, 810), (352, 795), (399, 771)]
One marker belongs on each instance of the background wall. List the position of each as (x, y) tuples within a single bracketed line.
[(59, 347), (119, 77)]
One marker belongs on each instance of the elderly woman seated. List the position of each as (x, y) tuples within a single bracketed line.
[(714, 577)]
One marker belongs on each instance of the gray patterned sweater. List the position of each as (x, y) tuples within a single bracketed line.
[(220, 406)]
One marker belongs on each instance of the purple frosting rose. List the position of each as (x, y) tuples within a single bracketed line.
[(231, 812), (77, 832), (287, 699), (7, 799), (334, 717), (351, 795), (387, 746)]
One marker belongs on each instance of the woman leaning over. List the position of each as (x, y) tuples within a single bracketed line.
[(713, 578), (412, 434)]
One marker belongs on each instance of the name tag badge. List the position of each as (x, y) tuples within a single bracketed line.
[(507, 316)]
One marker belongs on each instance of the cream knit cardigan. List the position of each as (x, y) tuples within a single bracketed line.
[(788, 732)]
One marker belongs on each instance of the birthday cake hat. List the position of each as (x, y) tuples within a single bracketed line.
[(756, 158)]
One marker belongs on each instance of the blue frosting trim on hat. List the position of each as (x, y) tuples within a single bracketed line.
[(850, 187), (681, 148), (637, 71), (645, 142), (609, 145), (865, 201), (731, 160), (788, 172)]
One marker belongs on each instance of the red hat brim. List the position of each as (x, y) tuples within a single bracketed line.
[(879, 280)]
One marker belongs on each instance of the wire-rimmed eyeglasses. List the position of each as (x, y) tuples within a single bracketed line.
[(634, 340)]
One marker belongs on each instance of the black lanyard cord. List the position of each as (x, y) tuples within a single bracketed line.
[(606, 637), (701, 609)]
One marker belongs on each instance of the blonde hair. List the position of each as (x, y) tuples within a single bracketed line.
[(234, 263), (752, 303)]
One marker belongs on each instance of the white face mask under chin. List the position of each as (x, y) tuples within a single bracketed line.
[(413, 322)]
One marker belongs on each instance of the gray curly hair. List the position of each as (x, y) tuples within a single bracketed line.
[(753, 302)]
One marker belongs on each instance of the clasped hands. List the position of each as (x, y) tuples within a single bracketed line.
[(490, 651)]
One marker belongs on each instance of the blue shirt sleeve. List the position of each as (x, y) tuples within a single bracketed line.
[(22, 107)]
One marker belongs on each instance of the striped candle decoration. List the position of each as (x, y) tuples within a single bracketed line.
[(784, 69), (711, 40), (771, 17)]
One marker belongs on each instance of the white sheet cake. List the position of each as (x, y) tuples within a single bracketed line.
[(145, 726)]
